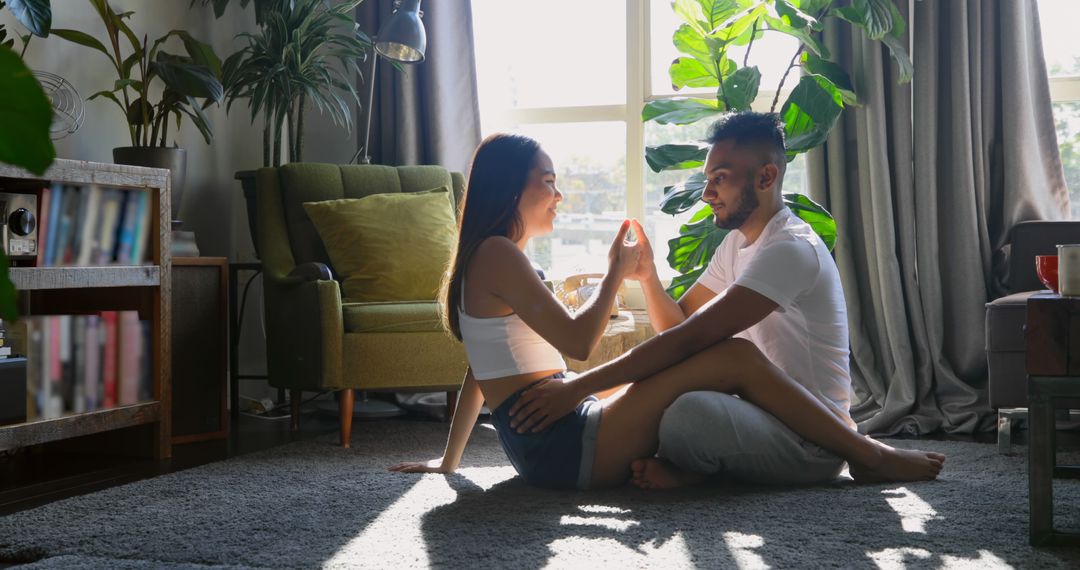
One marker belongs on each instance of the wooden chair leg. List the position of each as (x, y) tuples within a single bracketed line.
[(294, 408), (345, 408), (451, 404)]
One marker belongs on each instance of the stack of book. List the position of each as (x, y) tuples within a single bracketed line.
[(92, 225), (81, 363)]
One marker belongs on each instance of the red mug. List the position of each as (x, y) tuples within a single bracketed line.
[(1046, 267)]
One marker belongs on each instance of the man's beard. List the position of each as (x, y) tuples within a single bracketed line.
[(748, 202)]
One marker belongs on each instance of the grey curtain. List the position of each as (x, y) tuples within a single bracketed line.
[(925, 181), (427, 113)]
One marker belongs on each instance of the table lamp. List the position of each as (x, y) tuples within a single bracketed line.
[(402, 39)]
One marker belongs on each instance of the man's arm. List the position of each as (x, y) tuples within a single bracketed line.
[(664, 312)]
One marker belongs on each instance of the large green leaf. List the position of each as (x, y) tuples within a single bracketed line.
[(739, 23), (675, 156), (684, 195), (873, 16), (716, 12), (834, 73), (188, 78), (741, 88), (792, 14), (692, 13), (695, 244), (690, 42), (34, 15), (82, 38), (814, 214), (681, 283), (689, 72), (905, 68), (680, 111), (26, 115), (806, 35), (809, 113)]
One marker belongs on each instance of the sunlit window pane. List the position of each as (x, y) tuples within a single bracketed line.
[(662, 227), (1058, 20), (1067, 120), (590, 165), (554, 53), (772, 53)]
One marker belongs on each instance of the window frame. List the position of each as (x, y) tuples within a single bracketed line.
[(638, 93)]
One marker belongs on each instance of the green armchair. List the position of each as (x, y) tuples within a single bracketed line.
[(314, 341)]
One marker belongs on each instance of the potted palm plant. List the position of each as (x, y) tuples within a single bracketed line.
[(189, 83), (287, 66), (706, 38)]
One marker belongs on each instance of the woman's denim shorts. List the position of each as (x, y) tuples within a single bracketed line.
[(560, 456)]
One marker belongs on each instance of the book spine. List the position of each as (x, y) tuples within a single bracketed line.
[(92, 362), (129, 357), (56, 199), (89, 234), (109, 369), (43, 224)]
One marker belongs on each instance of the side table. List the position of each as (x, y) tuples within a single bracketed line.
[(199, 345), (1053, 367)]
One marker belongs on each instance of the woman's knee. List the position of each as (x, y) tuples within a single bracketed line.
[(737, 353)]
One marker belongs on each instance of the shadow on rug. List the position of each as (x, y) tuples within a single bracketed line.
[(313, 504)]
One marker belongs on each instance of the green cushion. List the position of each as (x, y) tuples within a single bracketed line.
[(388, 247), (400, 316)]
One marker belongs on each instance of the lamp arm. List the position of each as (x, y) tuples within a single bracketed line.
[(367, 112)]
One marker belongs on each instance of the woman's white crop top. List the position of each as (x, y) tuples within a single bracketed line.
[(504, 346)]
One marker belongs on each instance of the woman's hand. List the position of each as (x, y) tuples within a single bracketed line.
[(433, 466), (645, 269), (623, 256), (543, 404)]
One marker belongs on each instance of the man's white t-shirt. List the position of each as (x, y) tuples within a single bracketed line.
[(807, 336)]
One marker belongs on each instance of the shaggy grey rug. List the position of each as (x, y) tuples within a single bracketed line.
[(312, 504)]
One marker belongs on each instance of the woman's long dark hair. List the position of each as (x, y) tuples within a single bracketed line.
[(499, 172)]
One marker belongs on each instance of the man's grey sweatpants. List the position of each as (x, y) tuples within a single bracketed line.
[(711, 432)]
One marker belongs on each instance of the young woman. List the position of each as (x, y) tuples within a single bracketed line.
[(515, 332)]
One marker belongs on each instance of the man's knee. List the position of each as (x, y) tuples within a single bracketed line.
[(738, 354), (696, 431)]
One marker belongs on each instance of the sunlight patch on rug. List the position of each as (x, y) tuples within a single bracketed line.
[(743, 549), (913, 510), (571, 551), (401, 520)]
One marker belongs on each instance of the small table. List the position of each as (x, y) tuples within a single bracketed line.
[(624, 332), (1053, 367)]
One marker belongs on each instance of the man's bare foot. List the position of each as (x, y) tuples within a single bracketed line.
[(899, 465), (656, 473)]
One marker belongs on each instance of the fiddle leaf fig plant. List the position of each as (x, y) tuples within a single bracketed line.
[(190, 82), (709, 31)]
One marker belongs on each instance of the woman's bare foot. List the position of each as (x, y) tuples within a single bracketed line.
[(656, 473), (899, 465)]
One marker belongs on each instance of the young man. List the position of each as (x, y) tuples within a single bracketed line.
[(772, 282)]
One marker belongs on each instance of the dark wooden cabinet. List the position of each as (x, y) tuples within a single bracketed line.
[(200, 344)]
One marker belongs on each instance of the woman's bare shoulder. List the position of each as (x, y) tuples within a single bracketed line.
[(497, 251)]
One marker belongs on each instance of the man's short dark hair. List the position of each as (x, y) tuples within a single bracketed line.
[(749, 128)]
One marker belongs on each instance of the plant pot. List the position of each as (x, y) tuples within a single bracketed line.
[(247, 185), (174, 159)]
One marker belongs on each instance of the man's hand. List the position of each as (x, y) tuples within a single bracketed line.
[(645, 268), (543, 404), (433, 466)]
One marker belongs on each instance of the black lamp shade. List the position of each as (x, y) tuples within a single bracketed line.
[(403, 38)]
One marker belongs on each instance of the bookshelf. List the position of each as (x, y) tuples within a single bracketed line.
[(83, 290)]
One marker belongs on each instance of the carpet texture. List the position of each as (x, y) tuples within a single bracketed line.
[(312, 504)]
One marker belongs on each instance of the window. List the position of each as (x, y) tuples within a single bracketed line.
[(574, 75), (1062, 53)]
